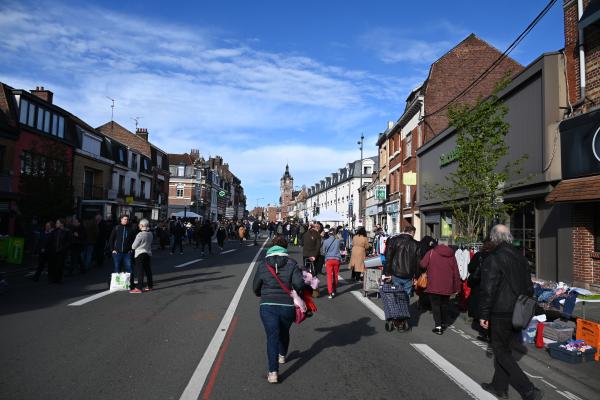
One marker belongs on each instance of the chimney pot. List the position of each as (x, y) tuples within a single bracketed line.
[(43, 94)]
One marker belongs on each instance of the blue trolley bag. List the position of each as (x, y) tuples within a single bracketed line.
[(395, 301)]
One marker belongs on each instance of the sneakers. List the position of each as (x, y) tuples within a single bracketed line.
[(147, 289), (331, 295), (488, 387), (135, 291), (281, 359), (272, 377), (438, 330)]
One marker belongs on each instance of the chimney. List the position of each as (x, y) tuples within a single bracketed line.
[(43, 94), (195, 153), (143, 133)]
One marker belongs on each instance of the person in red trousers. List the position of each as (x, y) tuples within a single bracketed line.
[(330, 249)]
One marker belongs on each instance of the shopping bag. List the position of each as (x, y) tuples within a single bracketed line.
[(119, 281)]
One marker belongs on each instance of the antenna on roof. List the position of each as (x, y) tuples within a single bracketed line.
[(112, 109), (137, 120)]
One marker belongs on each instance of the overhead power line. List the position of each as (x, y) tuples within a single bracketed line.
[(497, 62)]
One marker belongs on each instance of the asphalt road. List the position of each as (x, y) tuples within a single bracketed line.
[(180, 339)]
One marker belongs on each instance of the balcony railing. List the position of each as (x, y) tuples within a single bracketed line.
[(92, 192)]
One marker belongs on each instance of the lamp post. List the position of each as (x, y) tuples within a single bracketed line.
[(361, 145)]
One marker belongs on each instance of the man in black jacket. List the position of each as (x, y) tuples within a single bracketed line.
[(505, 276), (119, 242)]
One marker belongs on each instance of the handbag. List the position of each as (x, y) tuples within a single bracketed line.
[(422, 281), (524, 309), (299, 304)]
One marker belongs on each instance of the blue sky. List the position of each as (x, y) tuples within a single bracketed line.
[(261, 83)]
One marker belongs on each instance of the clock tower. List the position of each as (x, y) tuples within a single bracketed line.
[(286, 189)]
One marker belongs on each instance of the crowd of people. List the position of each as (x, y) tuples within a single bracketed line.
[(494, 276)]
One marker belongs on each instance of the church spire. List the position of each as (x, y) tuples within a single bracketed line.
[(286, 175)]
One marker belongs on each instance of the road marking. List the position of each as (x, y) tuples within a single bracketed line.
[(189, 263), (91, 298), (219, 361), (369, 304), (455, 374), (194, 387), (227, 251)]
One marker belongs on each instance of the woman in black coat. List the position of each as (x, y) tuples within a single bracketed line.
[(474, 281)]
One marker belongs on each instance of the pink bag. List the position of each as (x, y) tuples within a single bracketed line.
[(299, 304)]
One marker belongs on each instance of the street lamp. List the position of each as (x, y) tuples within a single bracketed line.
[(361, 143)]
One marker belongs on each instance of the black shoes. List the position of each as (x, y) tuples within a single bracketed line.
[(488, 387), (535, 394), (438, 330)]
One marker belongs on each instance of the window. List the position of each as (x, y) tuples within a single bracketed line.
[(90, 144), (31, 115), (61, 127), (179, 189), (143, 189), (40, 118), (146, 164), (121, 184), (23, 111), (40, 165), (181, 170), (367, 171), (121, 155), (420, 138), (408, 147), (46, 121), (408, 199), (55, 126), (134, 162), (132, 187)]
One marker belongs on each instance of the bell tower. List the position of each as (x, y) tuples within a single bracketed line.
[(286, 189)]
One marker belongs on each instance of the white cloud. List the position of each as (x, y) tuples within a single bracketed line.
[(195, 89)]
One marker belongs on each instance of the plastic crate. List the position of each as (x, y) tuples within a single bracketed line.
[(571, 357)]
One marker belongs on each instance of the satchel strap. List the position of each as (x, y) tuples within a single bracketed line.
[(272, 271)]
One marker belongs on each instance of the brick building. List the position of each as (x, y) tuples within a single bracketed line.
[(580, 139)]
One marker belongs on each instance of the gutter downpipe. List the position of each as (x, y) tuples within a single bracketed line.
[(582, 79)]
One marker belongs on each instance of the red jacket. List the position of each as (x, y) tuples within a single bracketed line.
[(442, 271)]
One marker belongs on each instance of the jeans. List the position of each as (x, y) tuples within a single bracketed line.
[(439, 308), (332, 266), (506, 369), (88, 253), (207, 243), (177, 242), (406, 283), (121, 258), (277, 320)]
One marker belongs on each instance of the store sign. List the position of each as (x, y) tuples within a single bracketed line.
[(381, 192), (580, 145), (222, 193), (409, 179), (392, 208), (448, 158)]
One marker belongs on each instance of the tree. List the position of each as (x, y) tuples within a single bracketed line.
[(45, 183), (475, 191)]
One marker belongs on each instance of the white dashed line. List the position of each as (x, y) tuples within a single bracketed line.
[(91, 298), (189, 263)]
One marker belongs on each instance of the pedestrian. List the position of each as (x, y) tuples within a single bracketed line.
[(101, 240), (425, 244), (271, 228), (91, 236), (206, 233), (359, 252), (474, 281), (312, 247), (59, 247), (221, 236), (178, 232), (505, 276), (402, 265), (142, 245), (277, 311), (44, 244), (279, 228), (443, 280), (255, 231), (330, 249), (119, 243), (242, 233), (78, 242)]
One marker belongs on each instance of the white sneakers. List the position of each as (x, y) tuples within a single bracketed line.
[(281, 359), (272, 377)]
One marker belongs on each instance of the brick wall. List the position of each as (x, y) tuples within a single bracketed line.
[(592, 56), (586, 268), (453, 72)]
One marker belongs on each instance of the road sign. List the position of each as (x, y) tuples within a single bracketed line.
[(222, 193)]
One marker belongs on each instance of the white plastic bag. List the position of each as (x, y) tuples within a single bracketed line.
[(298, 302), (119, 281)]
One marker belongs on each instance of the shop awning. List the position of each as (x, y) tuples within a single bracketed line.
[(578, 189)]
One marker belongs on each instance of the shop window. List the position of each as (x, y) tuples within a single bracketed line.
[(522, 227)]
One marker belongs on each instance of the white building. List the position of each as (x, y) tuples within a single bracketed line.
[(338, 192)]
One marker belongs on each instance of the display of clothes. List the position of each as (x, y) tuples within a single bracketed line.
[(463, 257)]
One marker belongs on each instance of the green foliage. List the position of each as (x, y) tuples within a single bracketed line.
[(475, 191)]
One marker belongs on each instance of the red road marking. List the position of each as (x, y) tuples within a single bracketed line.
[(217, 365)]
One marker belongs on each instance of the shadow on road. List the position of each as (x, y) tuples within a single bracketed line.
[(337, 336)]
